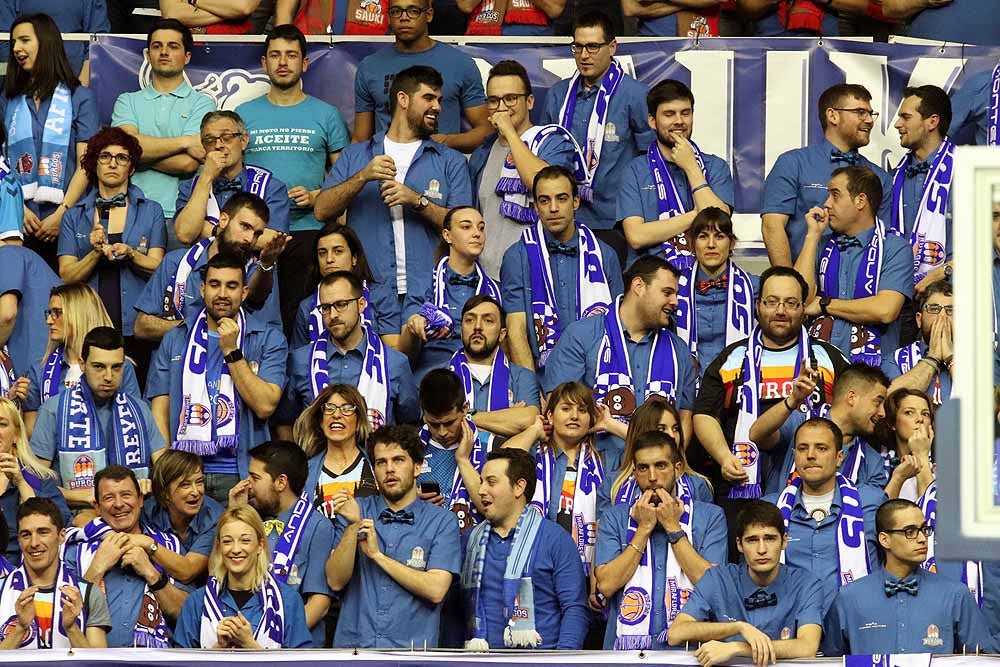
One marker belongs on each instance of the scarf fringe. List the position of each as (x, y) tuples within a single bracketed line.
[(146, 640), (511, 186), (634, 643), (199, 447), (745, 491), (586, 193), (48, 194), (518, 213), (477, 644), (521, 638)]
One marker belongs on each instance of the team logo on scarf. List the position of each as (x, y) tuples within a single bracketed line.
[(635, 605)]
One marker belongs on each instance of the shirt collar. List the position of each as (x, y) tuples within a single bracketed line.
[(133, 194), (183, 90), (377, 146)]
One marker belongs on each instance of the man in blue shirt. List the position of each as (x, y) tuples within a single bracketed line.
[(503, 167), (798, 180), (971, 108), (830, 521), (860, 277), (165, 116), (651, 553), (300, 537), (925, 365), (522, 576), (11, 201), (173, 292), (689, 180), (217, 378), (558, 273), (461, 92), (396, 555), (120, 430), (619, 136), (225, 139), (25, 284), (294, 136), (397, 186), (960, 21), (105, 553), (760, 609), (353, 355), (902, 608)]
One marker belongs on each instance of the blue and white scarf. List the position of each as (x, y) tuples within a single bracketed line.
[(258, 178), (929, 237), (184, 269), (52, 374), (589, 476), (908, 356), (635, 629), (866, 341), (82, 443), (616, 385), (316, 327), (283, 557), (593, 295), (208, 425), (518, 594), (993, 122), (150, 629), (42, 177), (669, 204), (270, 631), (739, 306), (438, 312), (373, 382), (16, 582), (518, 204), (852, 554), (972, 570), (854, 459)]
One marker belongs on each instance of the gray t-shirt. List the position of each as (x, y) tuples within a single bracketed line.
[(95, 605), (501, 232)]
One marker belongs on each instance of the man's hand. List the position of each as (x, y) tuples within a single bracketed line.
[(504, 126), (302, 196), (802, 387), (140, 541), (817, 220), (733, 470), (368, 539), (812, 309), (432, 497), (194, 148), (139, 561), (416, 326), (112, 549), (229, 335), (644, 512), (761, 647), (24, 607), (381, 168), (240, 493), (346, 506), (272, 248), (19, 390), (683, 155), (116, 252), (939, 344), (215, 163), (669, 511), (714, 653), (72, 605), (464, 449), (395, 193)]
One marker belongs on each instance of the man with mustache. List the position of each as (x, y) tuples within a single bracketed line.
[(217, 378), (397, 187)]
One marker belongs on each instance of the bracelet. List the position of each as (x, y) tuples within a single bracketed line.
[(933, 362), (266, 269), (787, 407), (703, 185), (637, 549), (159, 583)]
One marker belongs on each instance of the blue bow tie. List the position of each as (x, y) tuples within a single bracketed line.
[(402, 516), (845, 242), (851, 158), (760, 600), (118, 200), (223, 184), (907, 585), (915, 169), (471, 280), (562, 248)]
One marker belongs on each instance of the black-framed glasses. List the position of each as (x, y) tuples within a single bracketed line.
[(334, 409), (936, 308), (225, 137), (910, 532), (859, 112), (339, 306), (509, 100), (54, 313), (576, 48), (105, 157), (411, 12), (772, 303)]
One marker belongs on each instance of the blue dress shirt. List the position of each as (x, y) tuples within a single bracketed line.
[(275, 196), (29, 278)]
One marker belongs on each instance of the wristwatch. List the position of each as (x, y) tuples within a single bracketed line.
[(153, 547), (676, 536), (234, 356), (824, 302), (422, 203)]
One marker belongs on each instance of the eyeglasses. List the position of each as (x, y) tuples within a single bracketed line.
[(334, 409), (910, 532), (225, 137), (508, 100), (772, 303), (339, 306), (119, 158), (411, 12), (936, 308), (54, 313), (576, 48), (859, 112)]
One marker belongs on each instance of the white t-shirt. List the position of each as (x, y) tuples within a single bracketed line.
[(816, 504), (402, 155), (481, 372)]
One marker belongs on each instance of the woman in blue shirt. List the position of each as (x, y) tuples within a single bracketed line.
[(114, 238), (50, 116), (248, 607)]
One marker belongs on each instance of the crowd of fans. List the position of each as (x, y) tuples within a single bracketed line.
[(271, 382)]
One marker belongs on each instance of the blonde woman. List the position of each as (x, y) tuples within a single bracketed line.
[(242, 605), (22, 475), (74, 310), (332, 432)]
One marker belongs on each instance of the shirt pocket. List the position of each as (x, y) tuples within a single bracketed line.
[(414, 551)]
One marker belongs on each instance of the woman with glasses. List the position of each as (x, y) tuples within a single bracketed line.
[(114, 238), (73, 311), (332, 432), (41, 85)]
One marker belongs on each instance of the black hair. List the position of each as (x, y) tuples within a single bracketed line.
[(832, 96), (114, 473), (759, 512), (551, 173), (656, 439), (511, 68), (224, 260), (822, 422), (361, 267), (51, 64), (479, 299), (783, 272), (406, 437), (520, 465), (172, 24), (933, 102), (357, 287), (42, 506), (281, 457), (862, 181), (103, 338), (942, 287), (665, 91), (646, 267), (595, 19), (441, 391), (888, 509), (409, 81), (857, 373), (243, 199), (289, 32)]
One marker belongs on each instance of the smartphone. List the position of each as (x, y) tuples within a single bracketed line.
[(430, 487)]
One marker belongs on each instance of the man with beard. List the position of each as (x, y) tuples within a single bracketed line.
[(217, 378), (629, 352), (736, 389), (300, 538), (173, 292), (663, 190), (296, 137), (645, 592), (200, 198), (165, 117), (396, 556), (925, 365), (348, 352), (397, 187), (461, 91), (798, 180)]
